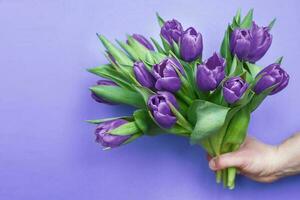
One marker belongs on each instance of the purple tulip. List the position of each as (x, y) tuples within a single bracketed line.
[(108, 140), (100, 99), (160, 109), (142, 75), (166, 75), (250, 44), (211, 73), (171, 31), (191, 45), (234, 88), (141, 39), (272, 75)]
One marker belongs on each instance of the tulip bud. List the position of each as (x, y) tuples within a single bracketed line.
[(234, 88), (211, 73), (250, 44), (141, 39), (191, 45), (142, 75), (171, 31), (160, 109), (166, 75), (108, 140), (100, 99), (272, 75)]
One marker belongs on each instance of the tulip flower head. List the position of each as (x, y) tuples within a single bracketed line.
[(191, 45), (142, 75), (105, 138), (100, 99), (250, 44), (166, 75), (272, 75), (234, 88), (171, 31), (211, 73), (161, 111)]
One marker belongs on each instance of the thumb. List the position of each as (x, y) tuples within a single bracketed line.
[(233, 159)]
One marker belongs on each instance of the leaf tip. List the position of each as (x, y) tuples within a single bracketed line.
[(270, 26), (93, 88)]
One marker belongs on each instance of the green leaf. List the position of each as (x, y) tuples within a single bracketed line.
[(118, 95), (180, 119), (190, 71), (208, 119), (145, 93), (259, 98), (166, 44), (236, 20), (138, 48), (129, 50), (124, 70), (253, 83), (128, 72), (247, 21), (158, 57), (150, 60), (160, 20), (217, 95), (176, 129), (236, 67), (238, 16), (129, 128), (272, 23), (279, 60), (216, 140), (176, 49), (245, 99), (145, 122), (132, 138), (225, 49), (253, 69), (99, 121), (107, 71), (119, 55), (237, 130), (142, 119), (157, 45)]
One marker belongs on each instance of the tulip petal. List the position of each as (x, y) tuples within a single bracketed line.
[(165, 121), (242, 48), (264, 83), (171, 84), (229, 96), (108, 140)]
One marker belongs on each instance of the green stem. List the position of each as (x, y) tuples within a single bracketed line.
[(231, 177), (224, 177), (219, 176)]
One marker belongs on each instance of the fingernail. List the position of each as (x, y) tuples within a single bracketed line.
[(212, 164)]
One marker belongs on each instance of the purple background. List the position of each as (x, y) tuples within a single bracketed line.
[(47, 151)]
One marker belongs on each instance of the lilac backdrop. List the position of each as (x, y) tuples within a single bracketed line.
[(47, 151)]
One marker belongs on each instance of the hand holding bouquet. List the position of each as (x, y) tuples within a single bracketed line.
[(209, 101)]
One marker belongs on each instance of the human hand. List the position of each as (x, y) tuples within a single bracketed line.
[(254, 159)]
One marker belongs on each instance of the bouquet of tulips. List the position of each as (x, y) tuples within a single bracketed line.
[(176, 91)]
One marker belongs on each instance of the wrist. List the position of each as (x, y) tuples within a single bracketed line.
[(287, 162)]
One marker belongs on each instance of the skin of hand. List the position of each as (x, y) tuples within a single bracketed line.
[(262, 162)]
